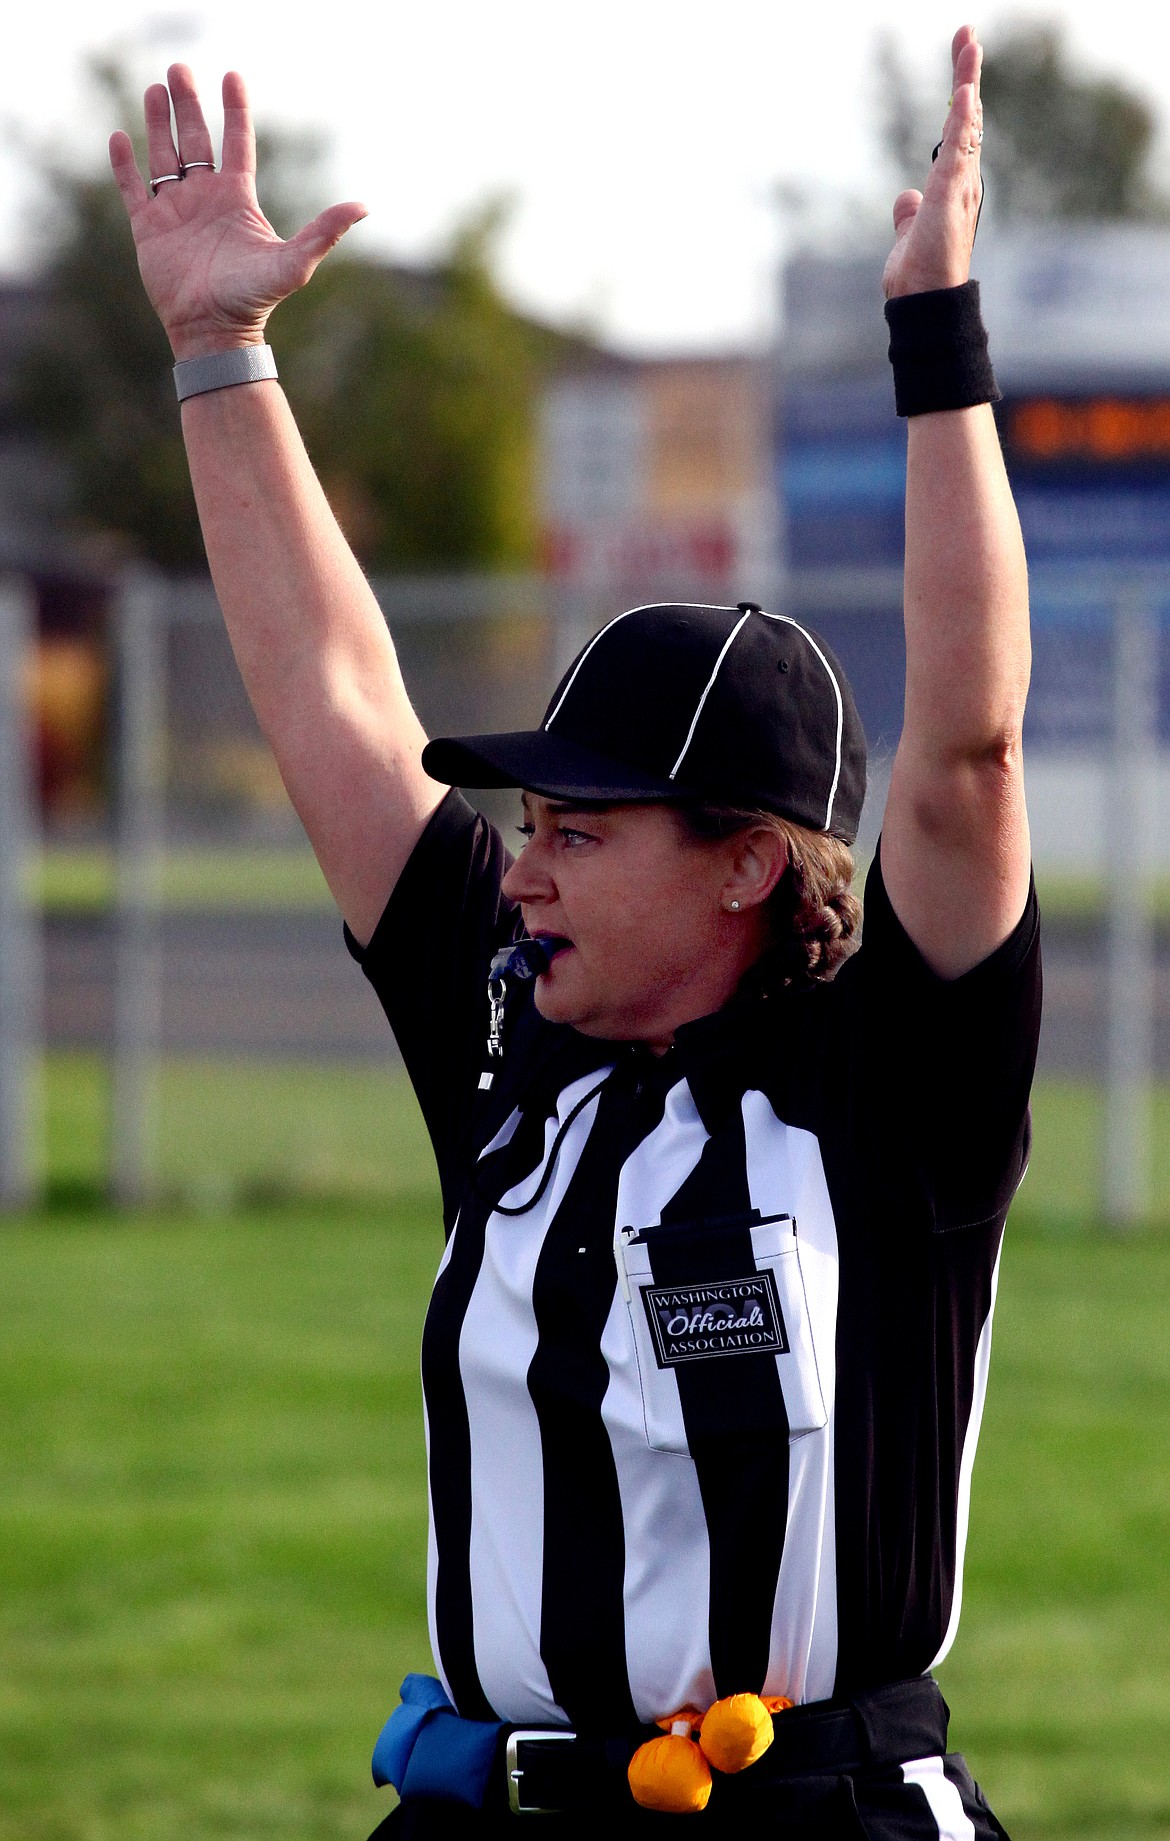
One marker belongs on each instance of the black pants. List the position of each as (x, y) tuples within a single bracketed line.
[(937, 1801), (811, 1785)]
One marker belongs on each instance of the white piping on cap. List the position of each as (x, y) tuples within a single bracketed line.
[(707, 607), (727, 645), (555, 711), (787, 620)]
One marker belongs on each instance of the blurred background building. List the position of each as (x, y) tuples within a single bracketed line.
[(659, 471), (1081, 343)]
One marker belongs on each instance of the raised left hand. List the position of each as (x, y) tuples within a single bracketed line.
[(934, 229)]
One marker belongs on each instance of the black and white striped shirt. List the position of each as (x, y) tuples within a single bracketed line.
[(702, 1397)]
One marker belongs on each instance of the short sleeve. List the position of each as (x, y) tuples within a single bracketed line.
[(428, 961), (950, 1061)]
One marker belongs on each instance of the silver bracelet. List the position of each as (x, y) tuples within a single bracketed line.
[(245, 364)]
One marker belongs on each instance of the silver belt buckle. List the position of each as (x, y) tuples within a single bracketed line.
[(528, 1736)]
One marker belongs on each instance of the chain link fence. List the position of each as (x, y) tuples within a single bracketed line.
[(191, 963)]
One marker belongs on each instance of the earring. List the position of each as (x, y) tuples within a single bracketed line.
[(734, 907)]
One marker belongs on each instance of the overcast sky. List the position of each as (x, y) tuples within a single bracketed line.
[(643, 142)]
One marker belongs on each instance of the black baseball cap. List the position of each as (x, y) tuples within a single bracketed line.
[(676, 702)]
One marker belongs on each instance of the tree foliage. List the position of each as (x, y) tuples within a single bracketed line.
[(1060, 142), (109, 410), (415, 389), (907, 124), (416, 397)]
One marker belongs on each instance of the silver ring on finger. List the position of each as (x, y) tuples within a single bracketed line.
[(163, 179), (190, 165)]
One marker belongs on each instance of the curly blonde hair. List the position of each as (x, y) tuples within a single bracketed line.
[(815, 916)]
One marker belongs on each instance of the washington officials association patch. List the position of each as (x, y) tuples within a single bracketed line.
[(735, 1316)]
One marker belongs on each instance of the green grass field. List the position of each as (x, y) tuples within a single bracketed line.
[(241, 1132), (212, 1517), (212, 1500)]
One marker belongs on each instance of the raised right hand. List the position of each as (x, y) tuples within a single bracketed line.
[(934, 229), (212, 264)]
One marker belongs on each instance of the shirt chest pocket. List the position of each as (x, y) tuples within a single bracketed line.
[(721, 1330)]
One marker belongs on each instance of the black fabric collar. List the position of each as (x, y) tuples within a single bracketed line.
[(720, 1055)]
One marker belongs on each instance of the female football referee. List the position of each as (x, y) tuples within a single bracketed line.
[(706, 1356)]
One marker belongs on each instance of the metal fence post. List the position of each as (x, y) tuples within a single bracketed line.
[(21, 1008), (1129, 817), (140, 788)]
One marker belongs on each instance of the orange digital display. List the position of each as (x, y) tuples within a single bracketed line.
[(1097, 430)]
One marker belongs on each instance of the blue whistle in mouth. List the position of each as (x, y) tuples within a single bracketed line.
[(524, 960)]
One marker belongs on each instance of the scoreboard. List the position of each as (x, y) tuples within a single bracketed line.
[(1081, 339), (1108, 433), (1091, 474), (1090, 471)]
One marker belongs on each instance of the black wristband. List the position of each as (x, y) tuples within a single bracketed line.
[(938, 348)]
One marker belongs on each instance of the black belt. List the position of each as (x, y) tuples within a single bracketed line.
[(550, 1770)]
